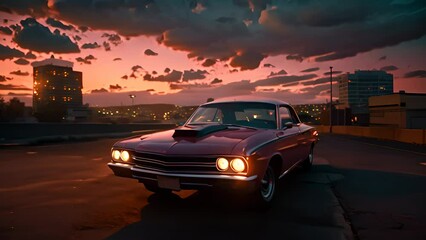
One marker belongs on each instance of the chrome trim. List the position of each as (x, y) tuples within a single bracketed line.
[(122, 165), (174, 164), (255, 149), (228, 177), (291, 168), (173, 171)]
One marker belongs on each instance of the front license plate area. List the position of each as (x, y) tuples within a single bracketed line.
[(168, 182)]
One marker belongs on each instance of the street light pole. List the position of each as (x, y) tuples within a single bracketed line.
[(331, 99), (133, 98)]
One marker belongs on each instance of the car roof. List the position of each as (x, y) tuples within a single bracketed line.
[(248, 99)]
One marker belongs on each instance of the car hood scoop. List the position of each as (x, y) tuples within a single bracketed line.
[(197, 130)]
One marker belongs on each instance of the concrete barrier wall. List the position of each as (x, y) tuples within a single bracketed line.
[(417, 136), (14, 131)]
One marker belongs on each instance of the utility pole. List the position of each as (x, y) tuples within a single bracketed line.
[(331, 99)]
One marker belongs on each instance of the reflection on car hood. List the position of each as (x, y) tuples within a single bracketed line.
[(220, 141)]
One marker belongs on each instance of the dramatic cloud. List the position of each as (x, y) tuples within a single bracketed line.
[(208, 62), (136, 68), (83, 28), (90, 45), (268, 65), (295, 57), (334, 73), (9, 53), (117, 59), (107, 46), (58, 24), (317, 30), (4, 78), (19, 94), (194, 75), (274, 81), (389, 68), (319, 81), (173, 76), (416, 74), (14, 87), (101, 90), (247, 60), (174, 86), (39, 38), (19, 73), (21, 61), (113, 38), (216, 81), (5, 30), (115, 87), (30, 55), (87, 60), (310, 70), (149, 52), (282, 72)]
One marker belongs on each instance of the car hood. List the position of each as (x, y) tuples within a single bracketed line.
[(202, 142)]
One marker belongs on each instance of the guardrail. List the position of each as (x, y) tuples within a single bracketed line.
[(417, 136)]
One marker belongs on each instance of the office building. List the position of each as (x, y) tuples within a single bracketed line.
[(56, 82), (356, 88)]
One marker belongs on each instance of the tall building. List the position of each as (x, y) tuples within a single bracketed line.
[(356, 88), (56, 82)]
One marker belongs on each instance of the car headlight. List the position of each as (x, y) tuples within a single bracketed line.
[(238, 165), (116, 155), (125, 156), (222, 164)]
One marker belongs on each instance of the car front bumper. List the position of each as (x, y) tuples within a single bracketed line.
[(187, 181)]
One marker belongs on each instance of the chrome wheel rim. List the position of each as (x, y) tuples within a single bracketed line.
[(267, 187), (311, 156)]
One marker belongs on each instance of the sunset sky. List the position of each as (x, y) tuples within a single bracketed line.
[(183, 52)]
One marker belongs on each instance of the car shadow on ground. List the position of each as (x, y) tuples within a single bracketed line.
[(304, 209)]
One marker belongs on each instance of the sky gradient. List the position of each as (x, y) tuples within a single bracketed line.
[(183, 52)]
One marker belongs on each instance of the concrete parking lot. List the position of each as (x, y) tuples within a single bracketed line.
[(357, 189)]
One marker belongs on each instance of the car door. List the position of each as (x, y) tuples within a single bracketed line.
[(289, 138)]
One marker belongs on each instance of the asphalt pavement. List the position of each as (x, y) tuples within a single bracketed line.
[(358, 189)]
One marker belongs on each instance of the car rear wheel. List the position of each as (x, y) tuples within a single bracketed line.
[(152, 187), (307, 164)]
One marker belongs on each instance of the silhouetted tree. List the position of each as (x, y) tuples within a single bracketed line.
[(210, 99), (2, 110), (11, 110)]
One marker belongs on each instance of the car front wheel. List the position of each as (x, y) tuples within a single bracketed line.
[(266, 192)]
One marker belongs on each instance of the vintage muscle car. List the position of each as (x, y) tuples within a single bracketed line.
[(241, 143)]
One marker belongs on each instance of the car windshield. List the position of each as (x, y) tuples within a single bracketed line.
[(258, 115)]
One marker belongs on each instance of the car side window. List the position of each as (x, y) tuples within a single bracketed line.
[(286, 115)]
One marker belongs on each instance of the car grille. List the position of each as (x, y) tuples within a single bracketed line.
[(175, 164)]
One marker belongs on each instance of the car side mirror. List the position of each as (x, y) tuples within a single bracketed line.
[(288, 125)]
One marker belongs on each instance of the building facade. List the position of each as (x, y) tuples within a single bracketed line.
[(55, 82), (356, 88), (401, 110)]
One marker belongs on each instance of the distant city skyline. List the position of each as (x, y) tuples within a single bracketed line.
[(184, 52)]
